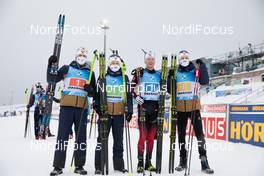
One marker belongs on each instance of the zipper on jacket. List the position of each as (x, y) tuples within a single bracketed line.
[(76, 102), (113, 109)]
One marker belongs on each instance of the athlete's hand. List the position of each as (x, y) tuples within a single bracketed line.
[(53, 59)]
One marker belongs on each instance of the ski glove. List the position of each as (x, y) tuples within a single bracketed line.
[(141, 71), (139, 100), (89, 89), (171, 73), (52, 59)]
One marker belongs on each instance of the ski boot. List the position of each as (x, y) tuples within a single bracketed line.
[(119, 165), (205, 166), (56, 171), (80, 170), (140, 168), (148, 165), (182, 165), (49, 133), (122, 170), (98, 172)]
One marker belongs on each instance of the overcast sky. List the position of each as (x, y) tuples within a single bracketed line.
[(160, 26)]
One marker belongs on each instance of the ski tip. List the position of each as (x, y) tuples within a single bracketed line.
[(95, 52), (164, 57), (63, 21), (102, 55), (59, 20)]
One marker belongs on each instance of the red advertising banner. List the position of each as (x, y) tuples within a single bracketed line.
[(214, 121)]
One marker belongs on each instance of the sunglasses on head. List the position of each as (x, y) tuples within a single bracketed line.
[(183, 51)]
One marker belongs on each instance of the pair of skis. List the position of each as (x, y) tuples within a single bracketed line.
[(173, 114), (142, 113), (28, 109), (161, 112), (53, 71), (104, 116)]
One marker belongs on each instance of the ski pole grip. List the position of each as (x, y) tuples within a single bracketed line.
[(197, 73)]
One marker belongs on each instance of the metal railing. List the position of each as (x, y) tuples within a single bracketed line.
[(246, 51), (245, 98)]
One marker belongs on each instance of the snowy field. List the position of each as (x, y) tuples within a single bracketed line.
[(20, 157)]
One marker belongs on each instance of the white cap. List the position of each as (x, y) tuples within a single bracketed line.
[(149, 55)]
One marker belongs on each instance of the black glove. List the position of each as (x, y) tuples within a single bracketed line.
[(199, 62), (171, 73), (141, 71), (89, 89), (56, 100), (128, 116), (52, 59)]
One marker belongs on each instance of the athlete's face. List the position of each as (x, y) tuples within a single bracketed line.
[(115, 65), (150, 63)]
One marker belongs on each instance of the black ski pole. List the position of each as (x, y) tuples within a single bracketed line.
[(127, 155), (129, 145), (126, 124), (191, 125), (91, 124)]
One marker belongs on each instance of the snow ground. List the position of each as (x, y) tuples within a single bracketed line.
[(20, 157)]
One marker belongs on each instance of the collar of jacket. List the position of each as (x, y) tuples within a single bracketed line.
[(74, 64), (150, 71), (114, 74), (189, 68)]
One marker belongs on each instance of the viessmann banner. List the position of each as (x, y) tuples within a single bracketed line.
[(246, 124)]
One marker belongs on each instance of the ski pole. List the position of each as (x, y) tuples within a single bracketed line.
[(27, 101), (91, 124), (191, 125), (129, 145), (126, 124), (83, 108)]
